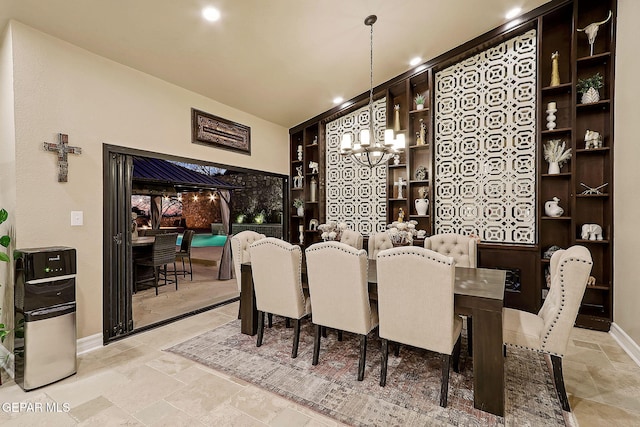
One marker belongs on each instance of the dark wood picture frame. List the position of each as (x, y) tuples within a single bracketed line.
[(207, 129)]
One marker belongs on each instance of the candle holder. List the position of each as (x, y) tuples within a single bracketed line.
[(551, 115)]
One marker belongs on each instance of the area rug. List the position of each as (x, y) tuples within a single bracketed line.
[(410, 397)]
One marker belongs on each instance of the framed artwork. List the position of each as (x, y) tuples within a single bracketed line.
[(207, 129)]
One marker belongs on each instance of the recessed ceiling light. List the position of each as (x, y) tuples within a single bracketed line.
[(415, 61), (513, 13), (338, 100), (211, 14)]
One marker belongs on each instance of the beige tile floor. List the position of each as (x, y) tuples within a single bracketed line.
[(133, 382)]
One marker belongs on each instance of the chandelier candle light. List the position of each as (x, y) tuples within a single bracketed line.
[(370, 152)]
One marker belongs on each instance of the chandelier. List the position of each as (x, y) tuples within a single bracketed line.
[(369, 151)]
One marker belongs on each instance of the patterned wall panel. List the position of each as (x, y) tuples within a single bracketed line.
[(356, 194), (485, 157)]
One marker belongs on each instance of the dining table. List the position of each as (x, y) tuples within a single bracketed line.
[(478, 292)]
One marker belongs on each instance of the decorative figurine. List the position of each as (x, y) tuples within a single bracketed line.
[(396, 159), (423, 132), (552, 209), (555, 74), (299, 152), (400, 215), (396, 118), (421, 173), (591, 232), (297, 180), (400, 183), (313, 166), (591, 190), (592, 139), (591, 31)]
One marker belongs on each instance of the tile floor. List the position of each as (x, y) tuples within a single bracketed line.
[(133, 382)]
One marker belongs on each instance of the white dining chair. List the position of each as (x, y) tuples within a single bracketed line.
[(548, 331), (416, 306), (276, 268), (352, 238), (378, 242), (337, 276)]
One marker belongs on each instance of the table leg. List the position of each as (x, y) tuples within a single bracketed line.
[(248, 310), (488, 361)]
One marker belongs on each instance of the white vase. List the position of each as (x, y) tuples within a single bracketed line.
[(301, 211), (419, 106), (590, 96), (554, 168), (313, 186), (422, 206)]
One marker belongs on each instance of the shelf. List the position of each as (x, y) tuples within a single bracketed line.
[(296, 161), (419, 147), (545, 260), (297, 188), (565, 87), (311, 145), (419, 216), (401, 165), (599, 288), (425, 182), (556, 175), (557, 218), (311, 203), (593, 196), (593, 242), (604, 103), (310, 174), (397, 200), (592, 150), (424, 111), (556, 131), (594, 59)]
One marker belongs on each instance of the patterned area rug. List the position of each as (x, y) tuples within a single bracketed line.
[(410, 397)]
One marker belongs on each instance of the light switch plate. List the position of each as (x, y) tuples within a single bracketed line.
[(77, 218)]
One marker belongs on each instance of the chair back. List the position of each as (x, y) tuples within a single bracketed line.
[(378, 242), (276, 267), (570, 270), (240, 249), (164, 249), (187, 239), (461, 248), (415, 298), (352, 238), (337, 277)]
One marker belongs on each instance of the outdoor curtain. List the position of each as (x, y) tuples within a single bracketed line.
[(226, 262)]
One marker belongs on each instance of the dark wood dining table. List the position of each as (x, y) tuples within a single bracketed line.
[(479, 292)]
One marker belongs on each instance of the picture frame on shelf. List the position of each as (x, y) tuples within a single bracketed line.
[(214, 131)]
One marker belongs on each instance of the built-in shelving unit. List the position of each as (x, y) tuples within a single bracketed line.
[(556, 23)]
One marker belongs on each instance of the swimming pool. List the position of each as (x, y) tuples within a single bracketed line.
[(204, 240)]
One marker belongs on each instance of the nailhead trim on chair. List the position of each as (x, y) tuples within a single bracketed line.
[(562, 299), (423, 255)]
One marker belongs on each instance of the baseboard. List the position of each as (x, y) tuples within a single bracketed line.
[(90, 343), (625, 341), (9, 365)]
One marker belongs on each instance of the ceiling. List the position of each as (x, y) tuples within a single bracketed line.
[(281, 60)]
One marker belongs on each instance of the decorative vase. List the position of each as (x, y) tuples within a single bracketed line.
[(396, 118), (422, 205), (551, 116), (552, 209), (313, 188), (554, 168), (301, 234), (419, 106), (301, 211), (590, 96)]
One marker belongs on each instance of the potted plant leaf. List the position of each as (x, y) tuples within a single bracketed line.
[(589, 87), (420, 100), (4, 241), (299, 205), (556, 155)]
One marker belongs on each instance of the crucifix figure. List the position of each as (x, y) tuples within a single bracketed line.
[(62, 148), (400, 183)]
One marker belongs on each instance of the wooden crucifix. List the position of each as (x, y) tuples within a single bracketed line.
[(62, 148)]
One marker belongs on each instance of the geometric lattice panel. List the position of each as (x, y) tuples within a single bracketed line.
[(485, 156), (355, 194)]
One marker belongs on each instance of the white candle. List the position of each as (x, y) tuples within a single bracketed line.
[(551, 106)]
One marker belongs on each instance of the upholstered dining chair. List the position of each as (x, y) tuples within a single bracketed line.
[(415, 289), (548, 331), (185, 252), (276, 267), (352, 238), (378, 242), (240, 249), (337, 277), (163, 252), (464, 250)]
